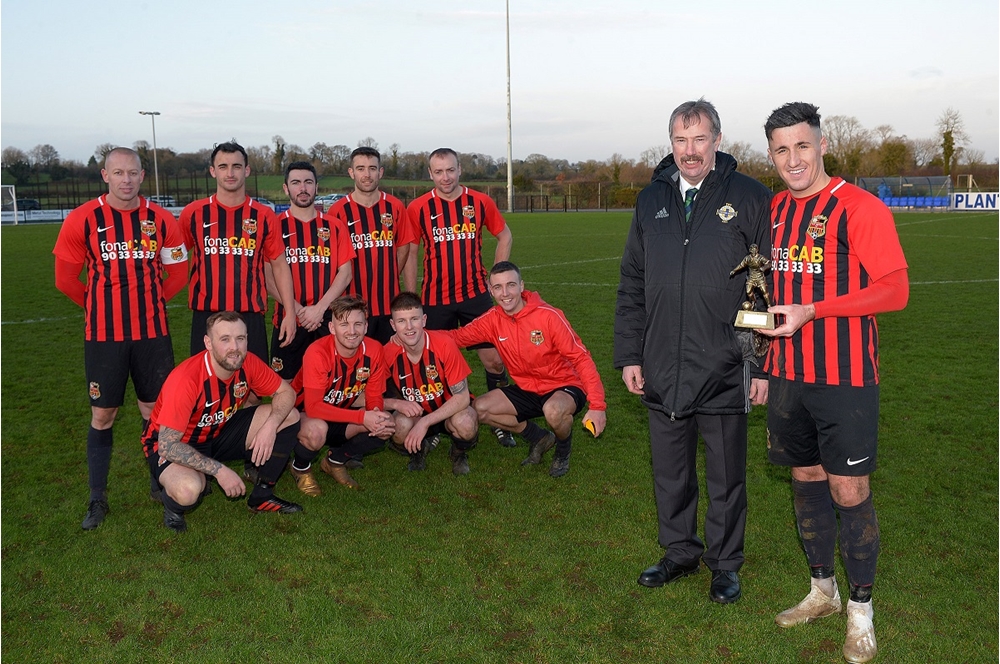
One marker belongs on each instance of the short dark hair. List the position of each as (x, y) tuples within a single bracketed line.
[(443, 152), (364, 151), (505, 266), (299, 166), (229, 147), (405, 301), (345, 304), (791, 114), (691, 112), (222, 317)]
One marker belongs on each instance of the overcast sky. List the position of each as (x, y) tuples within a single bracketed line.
[(588, 78)]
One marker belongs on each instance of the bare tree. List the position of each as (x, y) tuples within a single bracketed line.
[(653, 155), (278, 156), (102, 150), (884, 132), (953, 137), (43, 156), (924, 151), (847, 140), (368, 142), (260, 158)]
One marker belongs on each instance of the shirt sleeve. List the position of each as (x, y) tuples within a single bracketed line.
[(477, 332), (71, 245), (345, 248), (569, 344), (412, 235), (872, 235), (456, 368), (405, 231), (179, 396), (262, 379), (174, 248), (273, 245), (494, 220)]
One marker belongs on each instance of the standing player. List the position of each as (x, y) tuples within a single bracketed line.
[(126, 243), (231, 236), (429, 372), (341, 384), (319, 255), (381, 237), (449, 220), (554, 373), (199, 422), (836, 262)]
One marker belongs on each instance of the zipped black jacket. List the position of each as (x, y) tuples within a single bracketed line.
[(676, 301)]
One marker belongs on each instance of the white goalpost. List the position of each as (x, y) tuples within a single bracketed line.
[(8, 204)]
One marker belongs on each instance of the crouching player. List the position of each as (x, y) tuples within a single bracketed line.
[(428, 372), (554, 373), (197, 423), (341, 384)]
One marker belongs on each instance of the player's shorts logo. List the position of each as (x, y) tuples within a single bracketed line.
[(386, 219), (726, 213), (95, 391), (147, 227), (469, 212), (323, 234), (277, 363), (361, 375), (817, 226), (537, 338), (240, 389), (432, 372), (177, 254), (249, 226)]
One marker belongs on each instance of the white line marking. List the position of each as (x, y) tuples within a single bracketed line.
[(589, 260)]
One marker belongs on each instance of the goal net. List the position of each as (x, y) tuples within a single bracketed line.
[(8, 204)]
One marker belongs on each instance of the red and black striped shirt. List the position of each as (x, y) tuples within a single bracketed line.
[(376, 232), (330, 385), (315, 250), (196, 402), (453, 245), (830, 244), (428, 381), (229, 246), (125, 252)]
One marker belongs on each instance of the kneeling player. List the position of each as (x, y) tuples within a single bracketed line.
[(429, 373), (197, 423), (341, 382), (553, 371)]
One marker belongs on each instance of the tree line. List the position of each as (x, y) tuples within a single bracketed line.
[(853, 151)]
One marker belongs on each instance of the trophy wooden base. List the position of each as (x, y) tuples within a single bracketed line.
[(755, 320)]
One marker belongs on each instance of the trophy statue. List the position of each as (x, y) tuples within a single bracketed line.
[(749, 316)]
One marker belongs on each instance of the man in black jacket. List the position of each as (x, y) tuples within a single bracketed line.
[(679, 351)]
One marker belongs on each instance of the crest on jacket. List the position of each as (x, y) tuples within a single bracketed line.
[(537, 338), (727, 213), (240, 389)]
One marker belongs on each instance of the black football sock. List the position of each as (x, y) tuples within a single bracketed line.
[(532, 432), (303, 456), (174, 506), (859, 546), (284, 442), (99, 443), (464, 445), (361, 445), (563, 447), (817, 524), (495, 380)]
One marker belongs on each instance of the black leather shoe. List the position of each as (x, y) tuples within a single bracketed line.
[(725, 587), (666, 571)]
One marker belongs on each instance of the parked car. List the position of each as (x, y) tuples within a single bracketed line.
[(165, 201), (264, 201), (327, 200), (26, 204)]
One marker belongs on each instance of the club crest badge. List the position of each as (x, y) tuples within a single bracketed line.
[(386, 219), (726, 213), (240, 389), (432, 372), (147, 227), (361, 375), (537, 338), (323, 234), (250, 226), (177, 254), (469, 212), (277, 363), (817, 226), (95, 391)]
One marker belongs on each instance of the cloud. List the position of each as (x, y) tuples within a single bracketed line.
[(922, 73)]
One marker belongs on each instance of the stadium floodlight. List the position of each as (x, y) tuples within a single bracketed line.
[(510, 151), (156, 171)]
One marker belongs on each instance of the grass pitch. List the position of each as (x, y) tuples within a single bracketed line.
[(506, 564)]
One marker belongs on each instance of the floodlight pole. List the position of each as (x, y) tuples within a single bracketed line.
[(510, 151), (156, 171)]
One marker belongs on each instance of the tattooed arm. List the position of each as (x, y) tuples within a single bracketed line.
[(175, 451)]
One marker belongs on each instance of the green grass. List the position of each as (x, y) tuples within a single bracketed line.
[(506, 564)]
